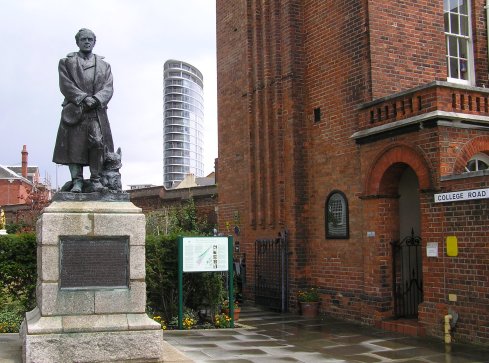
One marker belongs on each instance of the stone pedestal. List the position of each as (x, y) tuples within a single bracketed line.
[(85, 318)]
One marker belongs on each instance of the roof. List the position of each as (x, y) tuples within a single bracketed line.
[(205, 181), (7, 173), (18, 169), (32, 172), (191, 181)]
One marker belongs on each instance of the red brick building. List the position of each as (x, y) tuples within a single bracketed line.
[(22, 194), (159, 199), (14, 188), (16, 182), (362, 129)]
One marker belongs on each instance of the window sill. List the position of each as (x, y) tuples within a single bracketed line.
[(467, 175)]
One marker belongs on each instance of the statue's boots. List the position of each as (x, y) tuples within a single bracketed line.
[(76, 172), (95, 185), (96, 167)]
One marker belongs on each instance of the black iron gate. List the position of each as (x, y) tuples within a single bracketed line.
[(271, 272), (407, 276)]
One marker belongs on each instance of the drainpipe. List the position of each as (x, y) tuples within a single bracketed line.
[(450, 322), (448, 318)]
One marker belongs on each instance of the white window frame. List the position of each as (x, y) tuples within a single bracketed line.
[(470, 52), (479, 157)]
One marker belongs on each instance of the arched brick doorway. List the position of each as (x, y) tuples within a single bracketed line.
[(407, 268), (393, 186)]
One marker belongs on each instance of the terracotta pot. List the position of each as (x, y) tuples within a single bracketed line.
[(236, 313), (309, 309)]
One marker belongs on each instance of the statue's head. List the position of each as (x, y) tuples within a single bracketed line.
[(83, 31), (85, 39)]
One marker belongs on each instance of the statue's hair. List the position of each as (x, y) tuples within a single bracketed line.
[(77, 36)]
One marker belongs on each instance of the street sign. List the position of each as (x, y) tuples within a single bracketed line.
[(462, 195)]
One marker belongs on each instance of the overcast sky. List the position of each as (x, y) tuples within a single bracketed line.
[(136, 38)]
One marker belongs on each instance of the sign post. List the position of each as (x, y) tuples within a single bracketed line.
[(180, 282), (231, 280), (205, 254)]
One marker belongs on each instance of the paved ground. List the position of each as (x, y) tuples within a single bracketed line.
[(271, 337), (10, 348), (268, 337)]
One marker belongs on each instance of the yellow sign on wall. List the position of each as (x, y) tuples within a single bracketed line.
[(452, 246)]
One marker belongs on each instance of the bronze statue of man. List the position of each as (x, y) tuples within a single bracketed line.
[(84, 134)]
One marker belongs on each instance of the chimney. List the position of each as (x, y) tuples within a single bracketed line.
[(24, 161)]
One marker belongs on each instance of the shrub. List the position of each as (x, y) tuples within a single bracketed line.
[(161, 321), (222, 321), (180, 219), (308, 295), (17, 279), (158, 222), (189, 320), (10, 321), (201, 291), (15, 227), (18, 270), (162, 274)]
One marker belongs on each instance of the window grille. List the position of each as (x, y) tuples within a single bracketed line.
[(336, 216)]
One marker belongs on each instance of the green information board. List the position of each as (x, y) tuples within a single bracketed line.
[(205, 254)]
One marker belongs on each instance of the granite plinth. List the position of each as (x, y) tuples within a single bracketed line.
[(110, 346), (85, 323)]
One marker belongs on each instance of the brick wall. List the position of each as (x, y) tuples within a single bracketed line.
[(407, 45), (157, 198), (297, 81), (233, 132), (466, 275), (336, 55), (261, 122), (16, 192)]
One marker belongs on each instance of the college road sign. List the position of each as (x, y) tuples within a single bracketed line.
[(462, 195)]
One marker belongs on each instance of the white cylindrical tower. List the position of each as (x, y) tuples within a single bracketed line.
[(183, 125)]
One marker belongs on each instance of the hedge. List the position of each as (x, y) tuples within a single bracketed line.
[(203, 292), (17, 279)]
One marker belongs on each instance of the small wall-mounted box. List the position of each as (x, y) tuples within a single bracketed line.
[(452, 246)]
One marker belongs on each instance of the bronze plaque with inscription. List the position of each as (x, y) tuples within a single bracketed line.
[(94, 262)]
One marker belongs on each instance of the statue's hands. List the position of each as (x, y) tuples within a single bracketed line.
[(90, 102)]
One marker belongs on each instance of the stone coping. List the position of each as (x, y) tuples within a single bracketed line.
[(106, 196), (92, 207), (36, 324)]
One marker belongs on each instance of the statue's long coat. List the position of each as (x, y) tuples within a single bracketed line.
[(72, 141)]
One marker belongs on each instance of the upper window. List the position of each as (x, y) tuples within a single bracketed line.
[(477, 162), (458, 41), (336, 216)]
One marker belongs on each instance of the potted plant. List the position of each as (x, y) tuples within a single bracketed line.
[(225, 309), (309, 302)]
